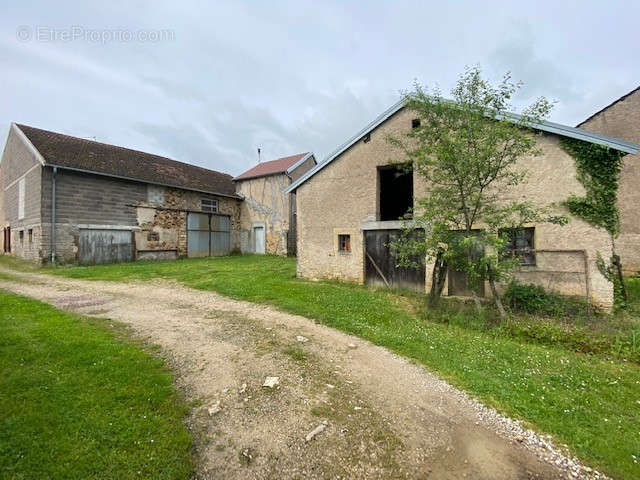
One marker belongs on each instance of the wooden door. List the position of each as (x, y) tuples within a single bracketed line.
[(381, 265)]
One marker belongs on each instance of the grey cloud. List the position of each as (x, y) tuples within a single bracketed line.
[(294, 76)]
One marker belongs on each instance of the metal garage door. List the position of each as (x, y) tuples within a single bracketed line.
[(208, 234), (104, 246)]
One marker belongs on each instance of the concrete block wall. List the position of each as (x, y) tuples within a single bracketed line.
[(19, 162)]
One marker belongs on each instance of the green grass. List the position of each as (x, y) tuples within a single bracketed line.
[(78, 399), (588, 401)]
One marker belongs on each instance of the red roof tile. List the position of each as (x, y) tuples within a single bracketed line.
[(279, 165)]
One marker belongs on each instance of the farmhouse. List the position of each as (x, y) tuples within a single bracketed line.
[(622, 119), (268, 214), (349, 205), (70, 199)]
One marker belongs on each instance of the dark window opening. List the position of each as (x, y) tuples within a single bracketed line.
[(30, 233), (520, 244), (395, 192), (21, 235), (344, 243), (366, 138), (415, 123), (153, 237)]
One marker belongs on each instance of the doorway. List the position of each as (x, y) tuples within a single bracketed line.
[(258, 239), (381, 267), (7, 240)]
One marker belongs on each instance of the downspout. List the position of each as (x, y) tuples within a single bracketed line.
[(53, 216)]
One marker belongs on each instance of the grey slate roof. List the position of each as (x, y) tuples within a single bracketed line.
[(72, 153), (557, 128)]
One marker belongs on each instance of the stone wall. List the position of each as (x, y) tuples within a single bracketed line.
[(622, 120), (163, 225), (265, 203), (160, 229), (343, 195)]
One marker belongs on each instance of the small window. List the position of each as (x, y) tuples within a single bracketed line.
[(520, 244), (366, 138), (30, 233), (415, 123), (153, 237), (21, 235), (344, 243), (209, 205)]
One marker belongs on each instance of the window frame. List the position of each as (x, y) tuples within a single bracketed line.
[(526, 255), (213, 207), (346, 246)]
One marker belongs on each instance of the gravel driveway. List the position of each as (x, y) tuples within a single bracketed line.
[(379, 416)]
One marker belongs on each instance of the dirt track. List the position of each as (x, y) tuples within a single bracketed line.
[(386, 418)]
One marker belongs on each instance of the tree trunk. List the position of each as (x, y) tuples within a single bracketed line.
[(496, 297), (476, 300), (438, 277), (615, 260)]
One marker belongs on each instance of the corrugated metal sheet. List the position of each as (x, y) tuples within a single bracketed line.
[(208, 235)]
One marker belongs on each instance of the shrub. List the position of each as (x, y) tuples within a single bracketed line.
[(534, 299)]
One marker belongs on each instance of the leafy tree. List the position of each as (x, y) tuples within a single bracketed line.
[(466, 150)]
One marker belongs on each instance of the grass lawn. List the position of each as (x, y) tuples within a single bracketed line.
[(591, 402), (78, 399)]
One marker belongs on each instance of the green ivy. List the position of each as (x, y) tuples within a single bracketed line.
[(598, 170)]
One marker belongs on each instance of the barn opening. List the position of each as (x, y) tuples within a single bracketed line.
[(395, 192)]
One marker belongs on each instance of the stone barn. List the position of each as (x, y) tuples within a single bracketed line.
[(68, 199), (349, 205), (622, 119), (268, 214)]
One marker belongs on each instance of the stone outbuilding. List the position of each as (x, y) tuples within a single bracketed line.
[(268, 214), (349, 205), (622, 119), (69, 199)]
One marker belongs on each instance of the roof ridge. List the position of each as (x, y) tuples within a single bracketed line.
[(544, 125)]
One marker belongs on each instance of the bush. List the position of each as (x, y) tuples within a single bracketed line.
[(534, 299)]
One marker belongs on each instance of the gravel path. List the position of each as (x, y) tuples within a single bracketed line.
[(385, 417)]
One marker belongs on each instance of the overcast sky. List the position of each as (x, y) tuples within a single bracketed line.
[(222, 78)]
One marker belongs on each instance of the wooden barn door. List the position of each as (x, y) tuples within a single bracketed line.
[(380, 263), (97, 246)]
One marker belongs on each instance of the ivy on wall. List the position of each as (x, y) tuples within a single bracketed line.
[(598, 168)]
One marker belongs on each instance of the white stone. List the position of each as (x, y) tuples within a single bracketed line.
[(316, 431), (302, 339), (215, 409), (271, 382)]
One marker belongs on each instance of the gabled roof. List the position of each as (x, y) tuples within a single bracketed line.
[(279, 165), (559, 129), (72, 153), (609, 106)]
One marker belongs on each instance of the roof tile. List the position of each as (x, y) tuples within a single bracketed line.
[(78, 153)]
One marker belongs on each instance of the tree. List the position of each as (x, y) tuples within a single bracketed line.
[(466, 150)]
